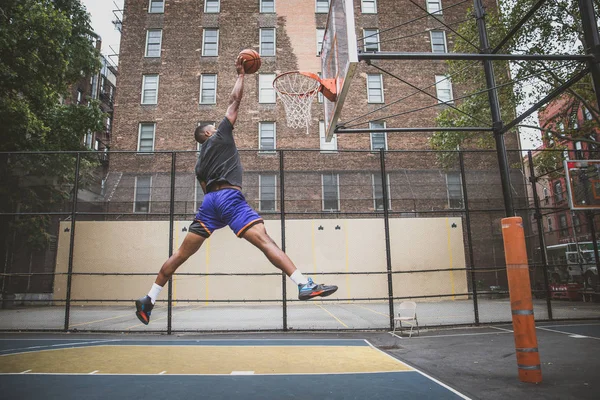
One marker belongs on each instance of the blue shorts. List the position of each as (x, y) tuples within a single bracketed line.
[(224, 207)]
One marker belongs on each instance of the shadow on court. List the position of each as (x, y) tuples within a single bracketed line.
[(475, 363)]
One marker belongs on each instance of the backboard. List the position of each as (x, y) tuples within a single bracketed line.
[(339, 58), (583, 184)]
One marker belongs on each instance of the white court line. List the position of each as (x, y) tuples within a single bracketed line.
[(242, 373), (94, 372), (461, 334), (565, 333), (153, 375), (162, 373), (501, 329), (47, 347), (555, 326), (422, 373), (24, 372), (579, 336)]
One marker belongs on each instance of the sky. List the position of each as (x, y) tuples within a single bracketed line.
[(102, 16)]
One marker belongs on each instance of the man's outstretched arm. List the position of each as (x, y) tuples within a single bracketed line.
[(238, 91)]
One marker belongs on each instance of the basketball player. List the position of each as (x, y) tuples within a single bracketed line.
[(219, 172)]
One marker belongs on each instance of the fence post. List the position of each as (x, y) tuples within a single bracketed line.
[(171, 226), (386, 220), (72, 242), (469, 236), (282, 212), (540, 228)]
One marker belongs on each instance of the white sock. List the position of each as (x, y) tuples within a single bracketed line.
[(154, 292), (298, 278)]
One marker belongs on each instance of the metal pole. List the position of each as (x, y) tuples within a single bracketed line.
[(541, 238), (391, 55), (171, 226), (495, 109), (469, 237), (282, 212), (591, 41), (72, 242), (341, 129), (386, 221)]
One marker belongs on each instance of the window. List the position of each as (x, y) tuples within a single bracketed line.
[(368, 6), (267, 6), (87, 140), (212, 6), (210, 43), (322, 6), (576, 223), (320, 37), (267, 194), (587, 115), (79, 96), (146, 137), (208, 89), (266, 136), (266, 92), (150, 89), (199, 194), (267, 42), (558, 192), (331, 192), (561, 126), (156, 6), (142, 189), (563, 226), (579, 151), (371, 39), (378, 139), (438, 41), (330, 147), (153, 42), (378, 191), (454, 187), (434, 6), (549, 220), (374, 88), (443, 88), (573, 124), (546, 196)]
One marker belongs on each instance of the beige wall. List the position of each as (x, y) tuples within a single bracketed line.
[(357, 245)]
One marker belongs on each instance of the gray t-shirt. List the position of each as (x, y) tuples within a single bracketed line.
[(219, 160)]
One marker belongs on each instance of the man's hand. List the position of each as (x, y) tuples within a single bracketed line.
[(239, 65)]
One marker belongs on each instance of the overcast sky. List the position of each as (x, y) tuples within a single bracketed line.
[(102, 16)]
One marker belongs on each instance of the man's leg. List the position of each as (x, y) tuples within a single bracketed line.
[(257, 235), (190, 245)]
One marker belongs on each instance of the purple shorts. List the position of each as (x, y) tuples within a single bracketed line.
[(224, 207)]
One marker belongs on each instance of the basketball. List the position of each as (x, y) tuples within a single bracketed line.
[(252, 63)]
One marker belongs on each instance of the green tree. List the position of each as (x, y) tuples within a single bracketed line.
[(554, 28)]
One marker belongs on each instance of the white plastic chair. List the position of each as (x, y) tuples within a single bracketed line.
[(407, 313)]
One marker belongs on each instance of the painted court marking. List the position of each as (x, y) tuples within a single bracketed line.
[(570, 334)]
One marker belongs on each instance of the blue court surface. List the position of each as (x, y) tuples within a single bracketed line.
[(212, 369)]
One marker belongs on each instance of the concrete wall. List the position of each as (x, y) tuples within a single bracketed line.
[(315, 246)]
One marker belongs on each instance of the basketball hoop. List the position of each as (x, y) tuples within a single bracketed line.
[(297, 90)]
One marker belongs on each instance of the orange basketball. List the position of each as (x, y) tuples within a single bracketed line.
[(252, 63)]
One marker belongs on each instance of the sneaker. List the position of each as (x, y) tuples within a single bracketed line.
[(311, 289), (144, 308)]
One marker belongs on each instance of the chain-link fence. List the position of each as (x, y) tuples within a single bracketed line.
[(384, 226)]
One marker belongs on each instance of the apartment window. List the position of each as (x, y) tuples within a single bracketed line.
[(550, 228), (587, 115), (79, 96), (375, 88), (142, 191), (434, 6), (576, 223), (331, 192), (153, 42), (438, 41), (546, 196), (330, 147), (267, 194), (146, 136), (150, 89), (368, 6), (558, 191), (212, 6), (199, 194), (210, 43), (454, 187), (87, 140), (579, 151), (378, 191), (266, 136), (267, 6), (266, 92), (322, 6), (371, 39), (267, 42), (378, 139), (563, 226), (443, 88), (320, 37), (208, 89), (156, 6)]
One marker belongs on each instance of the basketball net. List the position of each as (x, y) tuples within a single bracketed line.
[(297, 92)]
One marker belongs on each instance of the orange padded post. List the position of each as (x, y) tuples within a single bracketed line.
[(519, 286)]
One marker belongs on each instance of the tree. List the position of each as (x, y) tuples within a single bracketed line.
[(45, 47), (554, 28)]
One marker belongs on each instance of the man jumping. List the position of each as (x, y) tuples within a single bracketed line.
[(219, 172)]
